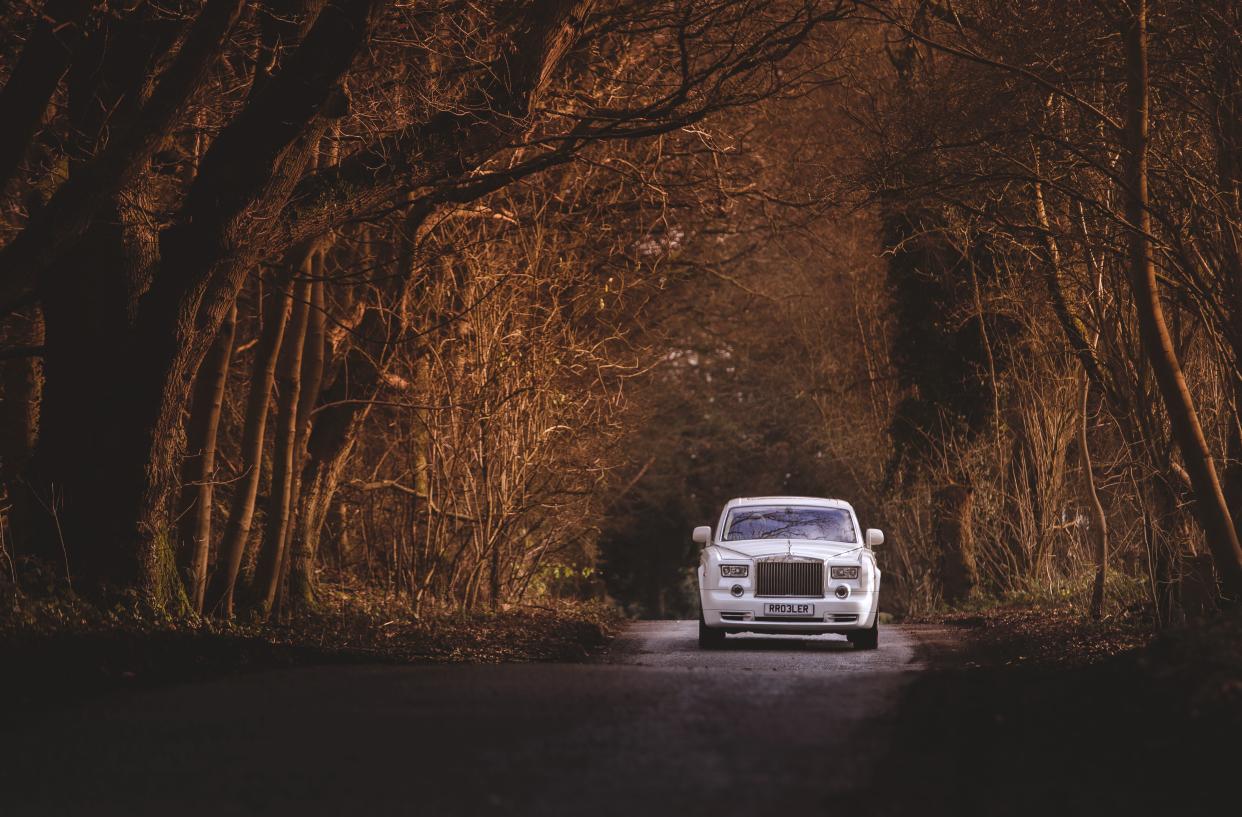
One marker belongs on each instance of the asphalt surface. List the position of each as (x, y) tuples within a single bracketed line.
[(654, 727)]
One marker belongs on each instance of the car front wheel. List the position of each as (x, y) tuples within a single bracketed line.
[(868, 639), (709, 639)]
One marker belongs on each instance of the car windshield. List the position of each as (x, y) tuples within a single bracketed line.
[(776, 522)]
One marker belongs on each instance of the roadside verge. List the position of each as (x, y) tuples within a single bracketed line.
[(57, 653)]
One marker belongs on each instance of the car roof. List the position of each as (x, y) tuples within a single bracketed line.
[(816, 501)]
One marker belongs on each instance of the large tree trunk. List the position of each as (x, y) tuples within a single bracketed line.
[(90, 297), (80, 473), (114, 344), (1210, 505), (198, 471), (198, 474), (21, 378), (241, 514)]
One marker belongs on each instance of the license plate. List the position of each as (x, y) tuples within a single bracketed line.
[(788, 608)]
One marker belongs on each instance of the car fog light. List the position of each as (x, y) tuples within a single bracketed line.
[(736, 590), (845, 572), (842, 591)]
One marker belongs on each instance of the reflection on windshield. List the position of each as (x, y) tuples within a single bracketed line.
[(825, 524)]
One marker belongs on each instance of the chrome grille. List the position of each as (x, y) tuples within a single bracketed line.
[(781, 578)]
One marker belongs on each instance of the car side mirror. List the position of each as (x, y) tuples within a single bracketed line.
[(702, 534), (875, 537)]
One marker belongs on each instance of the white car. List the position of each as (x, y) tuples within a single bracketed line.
[(789, 564)]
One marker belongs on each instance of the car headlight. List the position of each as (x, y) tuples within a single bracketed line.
[(735, 571), (845, 572)]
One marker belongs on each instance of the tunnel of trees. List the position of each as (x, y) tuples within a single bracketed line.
[(478, 302)]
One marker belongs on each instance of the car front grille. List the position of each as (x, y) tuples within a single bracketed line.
[(804, 579)]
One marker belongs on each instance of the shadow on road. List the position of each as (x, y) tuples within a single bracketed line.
[(768, 725), (747, 643), (1028, 742)]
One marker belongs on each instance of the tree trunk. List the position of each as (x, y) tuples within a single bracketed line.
[(1210, 506), (22, 380), (19, 412), (34, 79), (288, 386), (301, 562), (330, 443), (1232, 476), (241, 514), (1227, 126), (79, 476), (953, 508), (1166, 526), (198, 473), (346, 403), (314, 356), (1071, 326)]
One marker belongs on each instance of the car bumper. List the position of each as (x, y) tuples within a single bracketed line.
[(721, 610)]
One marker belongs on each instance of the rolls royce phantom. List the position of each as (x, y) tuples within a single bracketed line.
[(788, 564)]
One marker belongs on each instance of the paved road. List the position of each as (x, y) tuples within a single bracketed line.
[(656, 727)]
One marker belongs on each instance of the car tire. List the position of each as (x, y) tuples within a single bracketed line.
[(868, 639), (709, 639)]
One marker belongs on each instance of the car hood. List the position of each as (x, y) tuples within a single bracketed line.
[(814, 549)]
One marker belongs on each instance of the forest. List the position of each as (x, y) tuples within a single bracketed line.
[(470, 306)]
